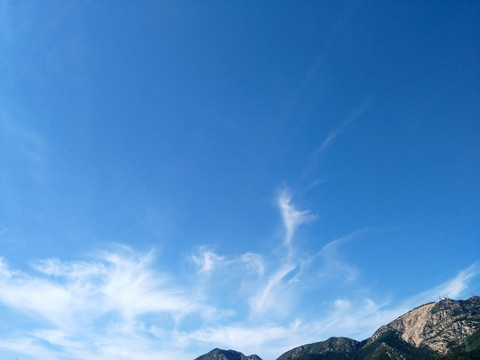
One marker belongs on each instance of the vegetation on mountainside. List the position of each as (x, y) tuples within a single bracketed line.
[(438, 330), (390, 346)]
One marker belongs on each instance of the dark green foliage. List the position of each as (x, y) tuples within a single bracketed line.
[(462, 356), (474, 341), (391, 342), (466, 352), (340, 345), (327, 356), (219, 354), (388, 346)]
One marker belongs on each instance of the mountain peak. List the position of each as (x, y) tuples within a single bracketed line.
[(438, 326), (333, 344), (219, 354)]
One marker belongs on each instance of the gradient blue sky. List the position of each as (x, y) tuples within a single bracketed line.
[(182, 175)]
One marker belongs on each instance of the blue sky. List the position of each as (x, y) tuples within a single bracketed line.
[(182, 175)]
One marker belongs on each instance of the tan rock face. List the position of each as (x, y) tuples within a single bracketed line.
[(438, 326), (412, 324)]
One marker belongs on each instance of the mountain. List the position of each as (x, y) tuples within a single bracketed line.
[(218, 354), (437, 326), (443, 330), (334, 345), (447, 329)]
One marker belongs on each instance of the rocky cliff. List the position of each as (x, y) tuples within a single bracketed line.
[(439, 326)]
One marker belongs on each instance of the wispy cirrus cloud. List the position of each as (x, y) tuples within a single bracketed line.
[(22, 140), (335, 133), (262, 339), (123, 282), (274, 291), (101, 308), (117, 304), (355, 316), (291, 217), (331, 137), (273, 295), (207, 260), (101, 323), (333, 266), (454, 288)]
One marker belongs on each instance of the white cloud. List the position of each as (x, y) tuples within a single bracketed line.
[(118, 305), (291, 217), (98, 309), (454, 288), (334, 134), (459, 284), (244, 336), (274, 292), (360, 317), (29, 347), (333, 266), (254, 262), (274, 296), (268, 341), (327, 142), (207, 260), (123, 283)]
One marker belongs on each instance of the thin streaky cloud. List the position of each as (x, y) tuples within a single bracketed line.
[(86, 293), (269, 297), (23, 140), (331, 137), (454, 288), (354, 316), (334, 134), (329, 264), (330, 246)]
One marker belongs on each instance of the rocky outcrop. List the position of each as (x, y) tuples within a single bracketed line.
[(438, 326)]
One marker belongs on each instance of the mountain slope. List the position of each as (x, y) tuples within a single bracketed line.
[(445, 330), (218, 354), (339, 345), (469, 350), (439, 326), (431, 331)]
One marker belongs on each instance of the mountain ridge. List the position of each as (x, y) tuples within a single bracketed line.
[(219, 354), (447, 330)]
